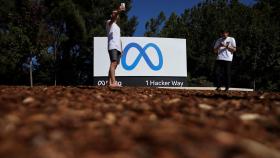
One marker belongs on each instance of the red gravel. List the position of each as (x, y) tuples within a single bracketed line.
[(91, 122)]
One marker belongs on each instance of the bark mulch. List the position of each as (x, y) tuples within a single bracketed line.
[(131, 122)]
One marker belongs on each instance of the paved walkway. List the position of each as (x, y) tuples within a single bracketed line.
[(209, 88)]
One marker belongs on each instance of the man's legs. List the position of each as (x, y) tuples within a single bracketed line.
[(218, 74), (227, 74), (115, 59), (109, 77), (112, 69)]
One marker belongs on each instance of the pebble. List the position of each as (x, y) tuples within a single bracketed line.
[(205, 106), (28, 100), (110, 118), (153, 117), (37, 118), (56, 135), (11, 118), (250, 117), (225, 138), (173, 101)]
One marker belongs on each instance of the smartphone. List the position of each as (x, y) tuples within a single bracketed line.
[(123, 6)]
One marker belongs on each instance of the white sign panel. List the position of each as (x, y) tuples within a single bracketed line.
[(143, 56)]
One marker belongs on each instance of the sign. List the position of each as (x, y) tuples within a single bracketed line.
[(159, 62)]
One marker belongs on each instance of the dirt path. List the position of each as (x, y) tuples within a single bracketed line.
[(90, 122)]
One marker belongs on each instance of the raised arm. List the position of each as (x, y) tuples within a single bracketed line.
[(115, 15)]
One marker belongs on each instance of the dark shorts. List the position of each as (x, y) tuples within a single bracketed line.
[(115, 55)]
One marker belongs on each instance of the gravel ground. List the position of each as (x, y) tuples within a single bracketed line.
[(98, 122)]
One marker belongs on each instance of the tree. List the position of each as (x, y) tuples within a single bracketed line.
[(154, 24), (21, 22), (58, 33), (256, 30)]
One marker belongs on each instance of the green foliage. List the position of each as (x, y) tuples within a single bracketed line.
[(201, 81), (31, 27), (15, 45), (256, 30), (154, 24)]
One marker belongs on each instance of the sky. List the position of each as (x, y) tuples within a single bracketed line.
[(147, 9)]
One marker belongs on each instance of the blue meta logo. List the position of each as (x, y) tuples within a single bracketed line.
[(142, 54)]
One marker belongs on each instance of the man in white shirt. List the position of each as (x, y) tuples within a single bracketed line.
[(114, 45), (224, 48)]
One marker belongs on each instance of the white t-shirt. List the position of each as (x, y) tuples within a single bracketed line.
[(114, 36), (223, 53)]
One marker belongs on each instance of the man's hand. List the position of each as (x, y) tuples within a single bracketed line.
[(120, 9), (231, 49), (114, 16), (222, 45)]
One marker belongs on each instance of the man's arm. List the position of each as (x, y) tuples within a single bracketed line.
[(217, 46), (121, 48), (114, 18), (232, 47)]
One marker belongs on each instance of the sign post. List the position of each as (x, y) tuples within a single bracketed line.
[(152, 62)]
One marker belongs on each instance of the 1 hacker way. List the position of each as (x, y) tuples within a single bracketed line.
[(164, 83)]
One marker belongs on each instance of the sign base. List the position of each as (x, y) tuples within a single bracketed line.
[(143, 81)]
